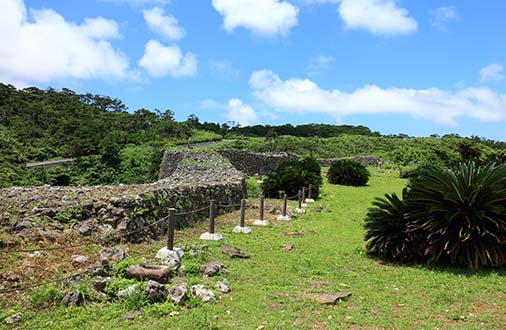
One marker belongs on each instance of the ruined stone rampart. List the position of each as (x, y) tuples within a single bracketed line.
[(364, 160), (252, 163), (35, 213)]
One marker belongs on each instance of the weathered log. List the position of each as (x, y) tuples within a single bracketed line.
[(156, 273)]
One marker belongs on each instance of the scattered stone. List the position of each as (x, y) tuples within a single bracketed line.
[(100, 283), (95, 270), (174, 313), (156, 273), (73, 298), (320, 209), (288, 247), (113, 253), (128, 291), (79, 259), (178, 293), (75, 279), (132, 315), (294, 234), (16, 318), (300, 210), (212, 268), (34, 254), (223, 287), (233, 252), (155, 291), (85, 229), (203, 293), (329, 298)]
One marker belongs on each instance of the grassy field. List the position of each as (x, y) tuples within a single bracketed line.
[(270, 289)]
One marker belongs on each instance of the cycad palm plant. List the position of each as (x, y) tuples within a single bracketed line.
[(463, 210), (388, 235)]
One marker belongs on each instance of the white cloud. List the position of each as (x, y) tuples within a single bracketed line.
[(165, 25), (263, 17), (235, 110), (380, 17), (42, 46), (304, 96), (224, 68), (160, 61), (241, 113), (492, 72), (440, 17), (319, 64)]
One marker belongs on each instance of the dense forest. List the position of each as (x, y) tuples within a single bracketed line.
[(114, 145)]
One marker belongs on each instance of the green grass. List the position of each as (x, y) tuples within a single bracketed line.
[(269, 288)]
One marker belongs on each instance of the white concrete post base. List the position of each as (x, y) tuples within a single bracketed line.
[(175, 254), (302, 211), (283, 218), (211, 237), (241, 230), (309, 200), (303, 205), (261, 223)]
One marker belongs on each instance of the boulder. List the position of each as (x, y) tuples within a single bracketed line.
[(178, 293), (233, 252), (155, 291), (203, 293), (73, 298), (212, 268), (156, 273)]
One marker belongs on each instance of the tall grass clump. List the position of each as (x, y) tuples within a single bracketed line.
[(447, 217)]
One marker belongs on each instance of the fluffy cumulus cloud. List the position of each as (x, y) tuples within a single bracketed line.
[(41, 46), (492, 72), (165, 25), (442, 16), (380, 17), (445, 107), (160, 61), (241, 113), (263, 17)]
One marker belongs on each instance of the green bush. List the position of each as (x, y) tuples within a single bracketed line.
[(291, 176), (46, 296), (449, 217), (348, 172)]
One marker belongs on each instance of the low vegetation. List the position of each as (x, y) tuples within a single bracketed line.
[(348, 172), (291, 176), (447, 216)]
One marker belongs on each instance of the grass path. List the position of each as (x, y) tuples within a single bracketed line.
[(269, 288)]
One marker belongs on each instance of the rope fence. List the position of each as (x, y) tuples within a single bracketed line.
[(170, 220)]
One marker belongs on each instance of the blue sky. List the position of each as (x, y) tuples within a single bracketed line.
[(416, 67)]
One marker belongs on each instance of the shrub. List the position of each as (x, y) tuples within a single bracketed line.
[(387, 230), (291, 176), (348, 172), (450, 216)]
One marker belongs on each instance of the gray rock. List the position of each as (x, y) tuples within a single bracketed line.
[(95, 270), (132, 315), (155, 291), (85, 229), (212, 268), (100, 283), (179, 293), (128, 291), (203, 293), (75, 279), (79, 259), (13, 319), (233, 252), (73, 298), (113, 253), (223, 287)]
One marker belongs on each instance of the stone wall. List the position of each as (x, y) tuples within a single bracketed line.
[(111, 212), (252, 163), (364, 160)]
